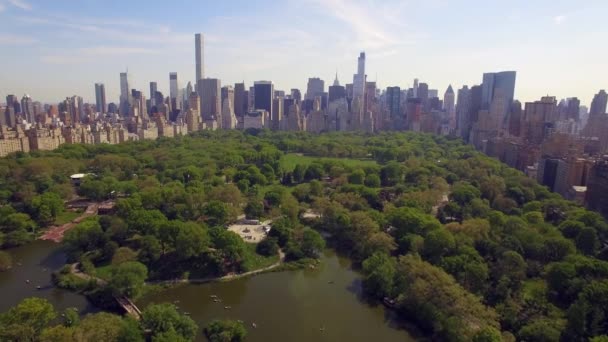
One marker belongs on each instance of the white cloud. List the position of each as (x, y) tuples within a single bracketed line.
[(558, 19), (21, 4), (1, 7), (14, 39)]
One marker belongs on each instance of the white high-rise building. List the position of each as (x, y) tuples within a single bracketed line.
[(359, 77), (199, 56), (125, 94)]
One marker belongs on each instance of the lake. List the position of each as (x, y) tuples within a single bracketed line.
[(321, 304)]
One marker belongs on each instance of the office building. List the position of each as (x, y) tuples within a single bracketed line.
[(240, 100), (100, 98), (598, 105), (210, 94), (449, 106), (125, 94), (500, 80), (264, 91), (153, 90), (315, 87), (174, 92)]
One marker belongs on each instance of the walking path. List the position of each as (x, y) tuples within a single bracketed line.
[(55, 233), (228, 277)]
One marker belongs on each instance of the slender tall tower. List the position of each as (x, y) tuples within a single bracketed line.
[(359, 78), (125, 94), (199, 56)]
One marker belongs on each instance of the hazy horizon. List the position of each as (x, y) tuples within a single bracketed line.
[(51, 50)]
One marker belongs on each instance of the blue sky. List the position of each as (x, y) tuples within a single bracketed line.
[(57, 48)]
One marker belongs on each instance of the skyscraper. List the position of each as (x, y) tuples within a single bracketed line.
[(199, 56), (463, 109), (598, 105), (153, 90), (491, 81), (415, 87), (176, 102), (393, 101), (316, 87), (210, 95), (264, 91), (125, 94), (173, 85), (359, 78), (449, 105), (27, 108), (336, 91), (227, 93), (240, 99), (100, 97)]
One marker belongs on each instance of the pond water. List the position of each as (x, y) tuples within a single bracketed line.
[(35, 262), (322, 304)]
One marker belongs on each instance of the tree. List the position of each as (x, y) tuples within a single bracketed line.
[(488, 334), (313, 171), (312, 243), (191, 241), (122, 255), (225, 331), (164, 318), (438, 243), (356, 177), (539, 330), (216, 213), (25, 321), (268, 247), (463, 193), (71, 317), (587, 241), (298, 173), (102, 327), (254, 209), (86, 236), (379, 275), (128, 279), (391, 174), (46, 207), (150, 249), (438, 304), (58, 333), (372, 181)]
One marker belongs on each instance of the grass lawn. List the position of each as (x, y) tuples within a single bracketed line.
[(66, 217), (289, 161), (256, 261)]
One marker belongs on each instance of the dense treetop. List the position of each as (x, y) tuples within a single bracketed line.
[(461, 244)]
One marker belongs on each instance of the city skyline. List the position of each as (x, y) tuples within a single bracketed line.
[(288, 56)]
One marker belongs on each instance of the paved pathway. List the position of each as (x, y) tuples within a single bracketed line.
[(55, 233)]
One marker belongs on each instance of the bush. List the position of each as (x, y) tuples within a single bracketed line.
[(222, 331)]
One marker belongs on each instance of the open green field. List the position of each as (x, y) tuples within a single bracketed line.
[(289, 161), (66, 217)]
